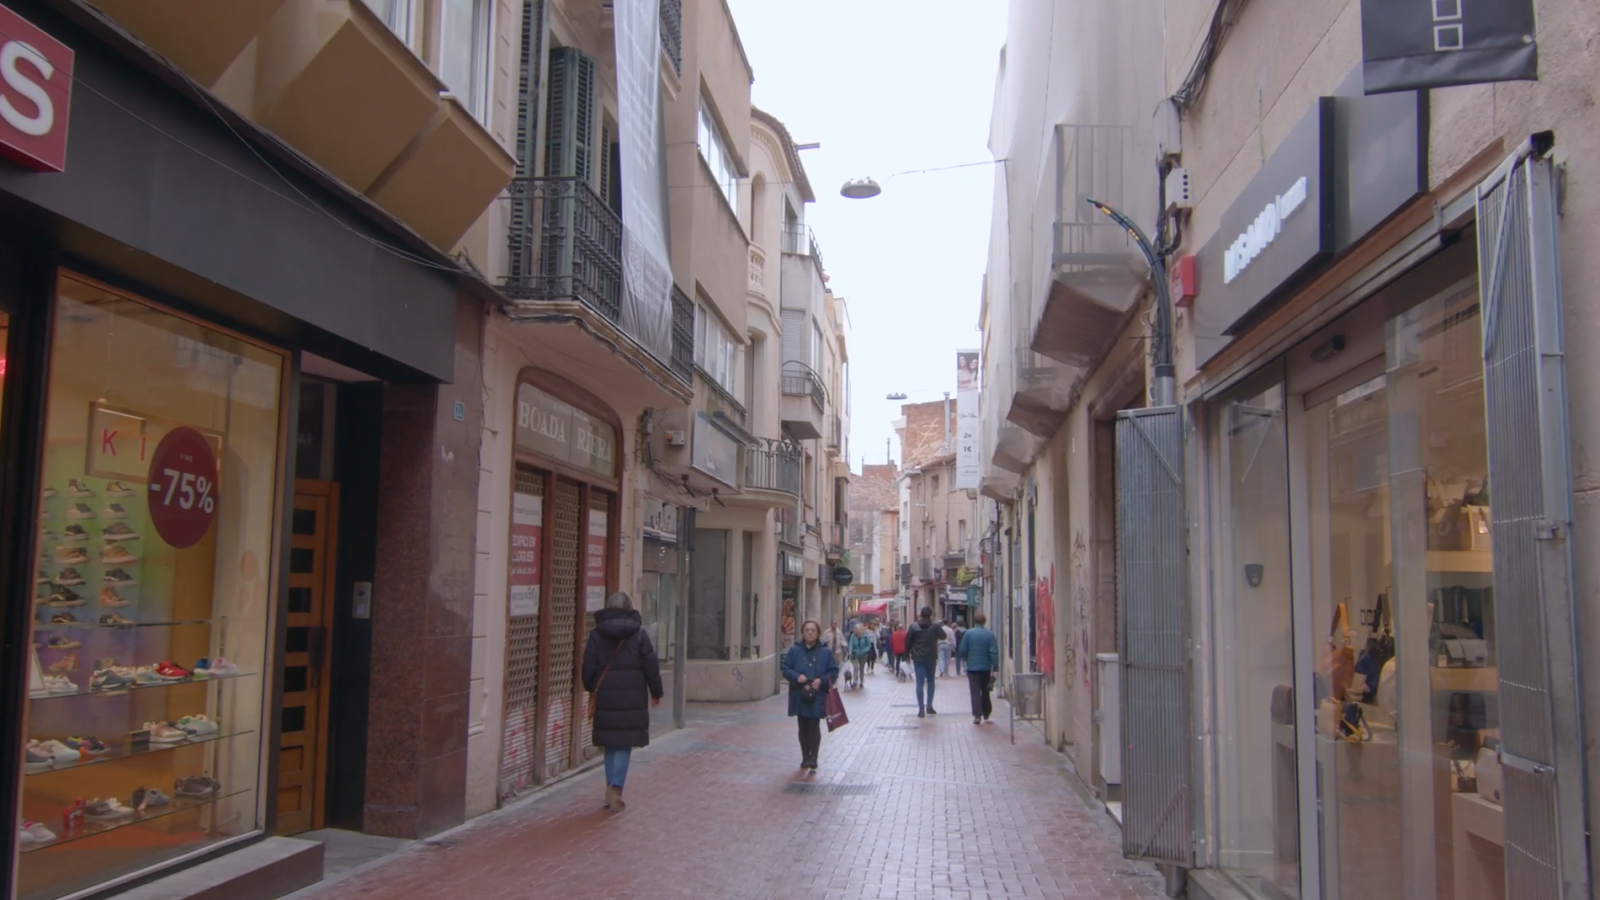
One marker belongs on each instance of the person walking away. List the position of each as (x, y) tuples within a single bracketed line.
[(623, 678), (860, 652), (835, 639), (923, 640), (959, 631), (897, 646), (886, 645), (947, 647), (811, 670), (872, 657), (981, 654)]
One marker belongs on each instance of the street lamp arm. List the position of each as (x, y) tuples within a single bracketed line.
[(1161, 340)]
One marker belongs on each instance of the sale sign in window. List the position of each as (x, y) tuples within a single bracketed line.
[(527, 529)]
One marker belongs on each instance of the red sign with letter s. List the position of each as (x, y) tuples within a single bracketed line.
[(35, 95)]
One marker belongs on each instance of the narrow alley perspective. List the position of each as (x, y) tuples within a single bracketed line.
[(898, 808)]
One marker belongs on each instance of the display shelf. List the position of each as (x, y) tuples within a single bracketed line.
[(1464, 678), (1460, 561), (121, 753), (48, 695), (95, 827), (82, 626)]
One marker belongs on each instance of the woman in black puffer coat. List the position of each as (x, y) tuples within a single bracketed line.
[(623, 677)]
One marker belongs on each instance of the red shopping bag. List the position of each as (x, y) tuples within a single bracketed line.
[(834, 707)]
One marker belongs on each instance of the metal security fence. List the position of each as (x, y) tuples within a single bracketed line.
[(1531, 515), (1152, 640)]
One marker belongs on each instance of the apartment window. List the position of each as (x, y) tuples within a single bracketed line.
[(961, 531), (935, 484), (716, 352), (464, 52), (816, 344), (396, 14), (714, 148)]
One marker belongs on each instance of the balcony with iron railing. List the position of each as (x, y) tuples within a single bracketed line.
[(836, 433), (786, 524), (799, 240), (835, 537), (803, 402), (772, 466), (566, 245), (722, 405), (672, 32)]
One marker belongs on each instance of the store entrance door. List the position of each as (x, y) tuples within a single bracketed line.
[(303, 749)]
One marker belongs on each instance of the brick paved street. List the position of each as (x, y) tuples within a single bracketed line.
[(934, 808)]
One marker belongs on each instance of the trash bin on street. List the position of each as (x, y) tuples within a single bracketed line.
[(1027, 699)]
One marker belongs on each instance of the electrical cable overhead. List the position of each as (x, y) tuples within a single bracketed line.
[(1194, 84)]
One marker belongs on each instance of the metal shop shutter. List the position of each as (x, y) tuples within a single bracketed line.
[(1152, 635), (1530, 476), (562, 645), (519, 751)]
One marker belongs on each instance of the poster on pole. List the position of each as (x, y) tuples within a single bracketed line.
[(969, 375)]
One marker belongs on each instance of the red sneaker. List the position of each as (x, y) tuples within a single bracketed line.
[(170, 670)]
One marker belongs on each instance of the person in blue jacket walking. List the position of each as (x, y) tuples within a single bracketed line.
[(980, 652), (811, 671)]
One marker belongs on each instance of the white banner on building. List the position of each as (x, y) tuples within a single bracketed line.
[(646, 263), (968, 381)]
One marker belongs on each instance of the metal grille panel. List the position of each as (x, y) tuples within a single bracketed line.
[(1152, 636), (1531, 514), (567, 558), (519, 746)]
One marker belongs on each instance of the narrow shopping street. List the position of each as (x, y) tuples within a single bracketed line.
[(901, 808)]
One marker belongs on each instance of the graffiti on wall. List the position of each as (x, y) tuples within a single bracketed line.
[(1083, 600), (1045, 632)]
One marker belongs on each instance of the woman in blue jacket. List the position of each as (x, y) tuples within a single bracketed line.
[(811, 670)]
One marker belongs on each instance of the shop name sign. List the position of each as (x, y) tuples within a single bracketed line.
[(35, 95), (1420, 44), (556, 429), (1259, 236), (1280, 225)]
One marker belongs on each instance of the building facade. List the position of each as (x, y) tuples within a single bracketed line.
[(939, 519), (1314, 624), (874, 532)]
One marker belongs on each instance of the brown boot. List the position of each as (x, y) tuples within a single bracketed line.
[(611, 797), (616, 804)]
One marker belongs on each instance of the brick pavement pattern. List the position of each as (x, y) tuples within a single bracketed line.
[(904, 807)]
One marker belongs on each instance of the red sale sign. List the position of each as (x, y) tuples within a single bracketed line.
[(35, 95), (595, 561), (527, 529), (183, 483)]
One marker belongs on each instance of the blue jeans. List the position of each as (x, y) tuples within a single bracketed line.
[(944, 660), (617, 765), (924, 677)]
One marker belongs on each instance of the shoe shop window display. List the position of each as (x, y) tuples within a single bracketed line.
[(160, 474)]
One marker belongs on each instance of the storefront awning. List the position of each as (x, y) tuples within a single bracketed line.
[(873, 608)]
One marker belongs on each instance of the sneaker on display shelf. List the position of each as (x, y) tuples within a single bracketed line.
[(79, 511), (62, 642), (34, 833), (110, 599), (115, 489), (169, 669), (120, 578), (149, 675), (43, 578), (59, 752), (221, 668), (68, 663), (75, 534), (162, 733), (92, 746), (60, 684), (145, 798), (197, 788), (119, 531), (113, 511), (72, 555), (197, 725), (76, 488), (68, 577), (66, 597), (109, 680), (116, 620), (107, 809), (114, 554), (64, 618), (49, 493), (36, 757)]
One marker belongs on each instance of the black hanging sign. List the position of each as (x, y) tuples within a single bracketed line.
[(1419, 44)]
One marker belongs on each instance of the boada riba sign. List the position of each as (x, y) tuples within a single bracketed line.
[(556, 429), (1281, 224)]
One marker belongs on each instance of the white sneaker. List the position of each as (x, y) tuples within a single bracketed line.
[(162, 733), (60, 684), (34, 833), (60, 752), (198, 726)]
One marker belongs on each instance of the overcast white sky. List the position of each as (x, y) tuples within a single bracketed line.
[(887, 86)]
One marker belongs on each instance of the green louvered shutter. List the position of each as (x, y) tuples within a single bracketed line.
[(569, 124)]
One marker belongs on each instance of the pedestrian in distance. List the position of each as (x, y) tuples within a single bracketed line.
[(980, 652), (861, 650), (835, 639), (959, 631), (947, 648), (897, 646), (811, 670), (623, 678), (923, 641), (872, 657)]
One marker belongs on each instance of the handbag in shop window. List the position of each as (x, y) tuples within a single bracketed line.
[(1341, 657)]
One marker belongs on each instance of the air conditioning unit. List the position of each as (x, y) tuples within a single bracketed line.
[(676, 437), (669, 440)]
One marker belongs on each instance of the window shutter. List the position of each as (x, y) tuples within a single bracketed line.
[(569, 124), (1530, 478), (794, 335), (1153, 633)]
